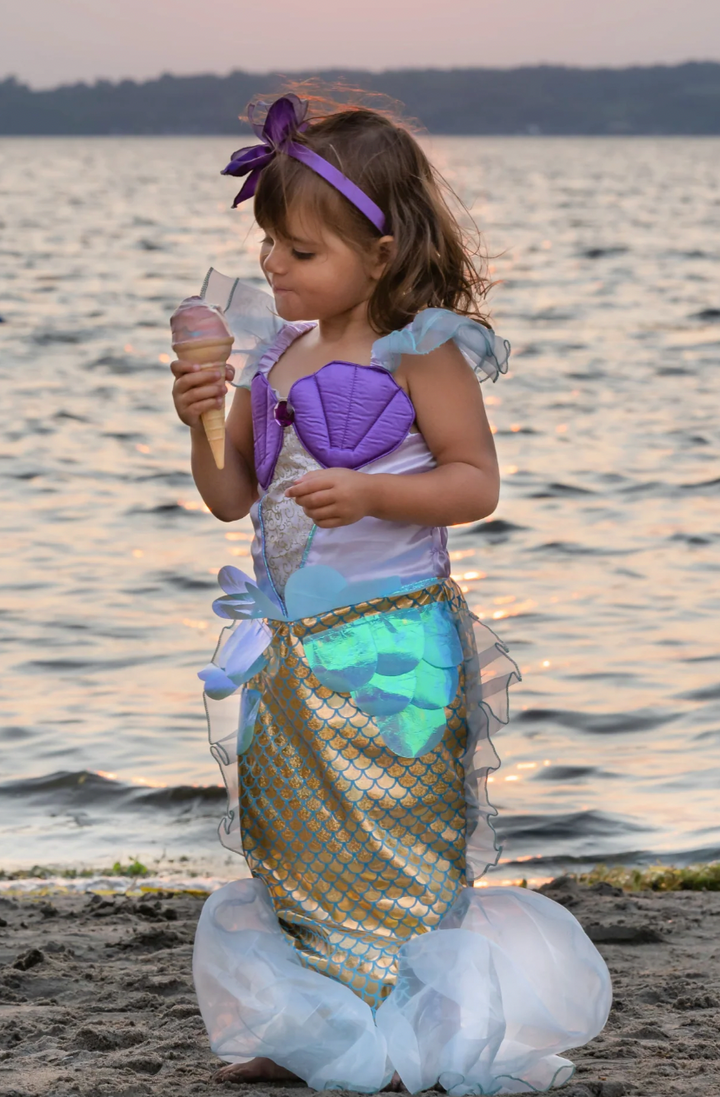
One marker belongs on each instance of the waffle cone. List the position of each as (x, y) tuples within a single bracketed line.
[(214, 423), (209, 353)]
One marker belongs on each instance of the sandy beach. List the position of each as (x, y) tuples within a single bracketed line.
[(97, 1000)]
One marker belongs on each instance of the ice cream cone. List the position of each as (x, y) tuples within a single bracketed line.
[(200, 335)]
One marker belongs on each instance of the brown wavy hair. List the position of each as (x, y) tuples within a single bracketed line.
[(436, 263)]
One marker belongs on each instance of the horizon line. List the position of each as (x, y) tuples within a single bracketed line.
[(319, 71)]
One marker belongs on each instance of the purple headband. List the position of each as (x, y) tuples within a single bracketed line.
[(285, 118)]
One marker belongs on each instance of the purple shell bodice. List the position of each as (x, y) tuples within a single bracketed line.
[(345, 415)]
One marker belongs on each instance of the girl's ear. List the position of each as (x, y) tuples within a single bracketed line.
[(382, 253)]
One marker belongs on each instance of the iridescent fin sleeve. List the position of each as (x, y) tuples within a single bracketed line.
[(251, 316), (485, 351)]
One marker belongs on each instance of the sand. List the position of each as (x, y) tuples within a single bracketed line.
[(96, 997)]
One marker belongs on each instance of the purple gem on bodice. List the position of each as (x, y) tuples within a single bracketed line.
[(345, 415), (283, 413)]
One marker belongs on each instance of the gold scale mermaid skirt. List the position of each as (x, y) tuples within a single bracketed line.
[(359, 849), (356, 786)]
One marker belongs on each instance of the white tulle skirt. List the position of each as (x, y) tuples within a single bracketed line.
[(483, 1004)]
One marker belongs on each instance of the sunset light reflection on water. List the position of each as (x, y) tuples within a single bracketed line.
[(599, 568)]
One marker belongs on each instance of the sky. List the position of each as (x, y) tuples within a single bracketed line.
[(50, 42)]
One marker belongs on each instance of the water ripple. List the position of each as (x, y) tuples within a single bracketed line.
[(599, 569)]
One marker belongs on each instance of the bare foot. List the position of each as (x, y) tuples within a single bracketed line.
[(256, 1070), (395, 1085)]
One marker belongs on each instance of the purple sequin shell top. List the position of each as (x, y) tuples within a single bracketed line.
[(345, 415)]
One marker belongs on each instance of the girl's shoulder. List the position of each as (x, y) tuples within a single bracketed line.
[(485, 351)]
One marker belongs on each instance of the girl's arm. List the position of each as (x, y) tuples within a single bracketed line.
[(228, 492), (451, 416)]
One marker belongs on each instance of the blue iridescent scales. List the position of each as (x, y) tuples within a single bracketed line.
[(361, 845), (400, 667)]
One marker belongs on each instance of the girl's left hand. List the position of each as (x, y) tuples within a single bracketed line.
[(333, 497)]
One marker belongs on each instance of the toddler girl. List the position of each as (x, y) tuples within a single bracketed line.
[(352, 700)]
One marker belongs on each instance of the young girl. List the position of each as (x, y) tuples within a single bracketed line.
[(352, 701)]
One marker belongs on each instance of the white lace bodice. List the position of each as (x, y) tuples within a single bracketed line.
[(286, 526)]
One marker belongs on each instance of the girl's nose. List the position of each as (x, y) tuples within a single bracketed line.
[(273, 262)]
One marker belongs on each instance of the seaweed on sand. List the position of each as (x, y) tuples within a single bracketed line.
[(700, 877)]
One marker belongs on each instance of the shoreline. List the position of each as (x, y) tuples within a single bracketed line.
[(135, 878), (97, 997)]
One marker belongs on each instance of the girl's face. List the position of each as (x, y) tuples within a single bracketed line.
[(314, 274)]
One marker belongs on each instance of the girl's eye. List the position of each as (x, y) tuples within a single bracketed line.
[(303, 254)]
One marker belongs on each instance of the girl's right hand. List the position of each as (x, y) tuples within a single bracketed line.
[(197, 390)]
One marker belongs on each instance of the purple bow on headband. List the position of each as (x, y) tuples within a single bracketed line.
[(286, 118)]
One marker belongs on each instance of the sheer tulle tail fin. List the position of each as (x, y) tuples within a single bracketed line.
[(257, 999), (484, 1003)]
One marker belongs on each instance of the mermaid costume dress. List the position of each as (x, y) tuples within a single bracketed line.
[(351, 705)]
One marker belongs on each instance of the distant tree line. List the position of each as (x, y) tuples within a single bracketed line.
[(545, 99)]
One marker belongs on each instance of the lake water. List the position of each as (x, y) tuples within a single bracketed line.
[(600, 568)]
